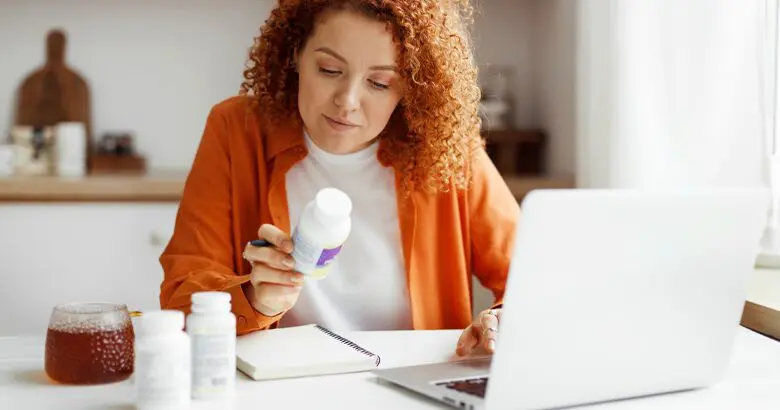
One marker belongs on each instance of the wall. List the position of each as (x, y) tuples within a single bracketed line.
[(554, 39), (596, 55)]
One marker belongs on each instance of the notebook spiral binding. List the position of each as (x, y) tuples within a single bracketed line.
[(349, 343)]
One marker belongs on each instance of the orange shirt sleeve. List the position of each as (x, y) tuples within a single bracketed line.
[(200, 255), (493, 217)]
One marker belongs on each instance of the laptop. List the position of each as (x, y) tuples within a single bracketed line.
[(611, 294)]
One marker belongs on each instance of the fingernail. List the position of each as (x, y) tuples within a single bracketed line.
[(491, 345), (287, 245), (289, 262), (297, 279)]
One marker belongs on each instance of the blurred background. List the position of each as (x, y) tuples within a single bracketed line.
[(577, 93)]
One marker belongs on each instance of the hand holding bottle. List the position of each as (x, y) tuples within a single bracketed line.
[(275, 287)]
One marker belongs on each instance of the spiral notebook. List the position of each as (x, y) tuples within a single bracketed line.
[(300, 351)]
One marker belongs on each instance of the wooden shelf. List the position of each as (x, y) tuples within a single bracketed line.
[(520, 185), (161, 186), (517, 151), (514, 136)]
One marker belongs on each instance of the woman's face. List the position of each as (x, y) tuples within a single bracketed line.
[(349, 82)]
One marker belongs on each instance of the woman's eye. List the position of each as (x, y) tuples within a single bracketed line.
[(379, 85), (329, 72)]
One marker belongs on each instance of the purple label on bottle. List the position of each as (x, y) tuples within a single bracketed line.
[(327, 256)]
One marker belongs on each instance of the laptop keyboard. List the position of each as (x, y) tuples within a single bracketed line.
[(474, 387)]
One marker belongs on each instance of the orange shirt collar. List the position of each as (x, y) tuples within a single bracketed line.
[(283, 137)]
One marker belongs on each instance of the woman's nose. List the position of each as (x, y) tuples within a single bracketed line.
[(347, 97)]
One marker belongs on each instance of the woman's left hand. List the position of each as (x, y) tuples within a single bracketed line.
[(482, 333)]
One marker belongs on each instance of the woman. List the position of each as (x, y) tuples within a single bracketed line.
[(379, 99)]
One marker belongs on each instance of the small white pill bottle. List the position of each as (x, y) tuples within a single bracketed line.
[(212, 329), (162, 362), (323, 227)]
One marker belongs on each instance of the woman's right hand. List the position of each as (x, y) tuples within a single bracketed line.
[(274, 286)]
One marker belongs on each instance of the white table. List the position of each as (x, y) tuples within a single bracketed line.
[(753, 381)]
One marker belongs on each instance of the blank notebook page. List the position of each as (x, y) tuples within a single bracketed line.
[(299, 351)]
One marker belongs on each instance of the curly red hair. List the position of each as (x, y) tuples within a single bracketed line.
[(434, 132)]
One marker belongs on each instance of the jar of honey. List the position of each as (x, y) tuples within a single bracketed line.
[(89, 343)]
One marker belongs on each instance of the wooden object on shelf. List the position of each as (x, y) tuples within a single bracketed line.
[(517, 152), (158, 186), (55, 93), (117, 164)]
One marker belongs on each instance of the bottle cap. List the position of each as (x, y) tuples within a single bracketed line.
[(332, 205), (211, 301), (161, 321)]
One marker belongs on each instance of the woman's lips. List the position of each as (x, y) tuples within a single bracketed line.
[(339, 125)]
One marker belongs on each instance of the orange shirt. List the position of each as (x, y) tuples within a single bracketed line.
[(237, 183)]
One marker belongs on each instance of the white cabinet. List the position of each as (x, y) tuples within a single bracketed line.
[(57, 253)]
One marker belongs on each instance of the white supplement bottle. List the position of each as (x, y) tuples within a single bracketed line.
[(322, 229), (212, 329), (162, 362)]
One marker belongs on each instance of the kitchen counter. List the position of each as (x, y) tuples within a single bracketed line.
[(165, 186), (155, 186)]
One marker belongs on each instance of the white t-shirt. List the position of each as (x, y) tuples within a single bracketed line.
[(366, 288)]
